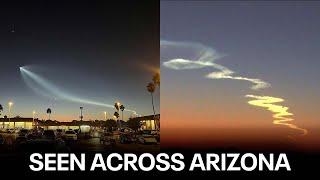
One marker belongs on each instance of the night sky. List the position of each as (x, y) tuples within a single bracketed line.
[(95, 50)]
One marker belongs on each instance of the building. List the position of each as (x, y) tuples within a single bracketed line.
[(17, 122), (83, 126), (29, 123), (149, 122)]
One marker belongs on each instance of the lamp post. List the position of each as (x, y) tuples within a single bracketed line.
[(10, 105), (33, 113), (105, 116)]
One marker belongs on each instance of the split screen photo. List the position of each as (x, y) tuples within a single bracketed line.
[(239, 89)]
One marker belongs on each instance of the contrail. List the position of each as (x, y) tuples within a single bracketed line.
[(48, 89), (281, 114), (206, 57)]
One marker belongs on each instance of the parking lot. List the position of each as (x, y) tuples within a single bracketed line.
[(92, 144)]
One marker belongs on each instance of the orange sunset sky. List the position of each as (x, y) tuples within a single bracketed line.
[(209, 69)]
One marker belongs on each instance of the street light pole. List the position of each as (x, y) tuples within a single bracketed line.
[(33, 113), (10, 104), (105, 116)]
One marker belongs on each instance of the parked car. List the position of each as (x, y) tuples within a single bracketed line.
[(59, 133), (21, 139), (147, 137), (49, 134), (95, 134), (11, 130), (1, 139), (127, 138), (43, 146), (23, 132), (77, 131), (107, 138), (70, 135)]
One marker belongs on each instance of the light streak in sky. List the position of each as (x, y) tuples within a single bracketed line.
[(47, 89), (206, 57), (281, 114)]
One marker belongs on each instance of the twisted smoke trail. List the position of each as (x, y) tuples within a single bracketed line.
[(206, 56), (281, 115)]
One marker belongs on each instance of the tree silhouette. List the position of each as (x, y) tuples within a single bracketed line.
[(1, 109), (156, 79), (117, 106), (116, 114), (151, 88), (110, 124), (134, 124), (122, 109), (49, 112)]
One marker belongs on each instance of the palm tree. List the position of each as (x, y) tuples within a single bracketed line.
[(81, 116), (156, 79), (116, 114), (117, 106), (122, 109), (1, 109), (156, 82), (151, 88), (49, 112)]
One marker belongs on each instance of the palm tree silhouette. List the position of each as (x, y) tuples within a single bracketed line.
[(116, 114), (49, 112), (156, 82), (1, 109), (117, 106), (81, 116), (156, 79), (151, 88), (122, 109)]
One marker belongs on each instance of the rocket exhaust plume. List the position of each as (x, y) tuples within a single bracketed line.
[(206, 57), (281, 114), (47, 89)]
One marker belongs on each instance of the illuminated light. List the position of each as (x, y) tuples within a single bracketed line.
[(206, 58), (281, 114), (47, 89)]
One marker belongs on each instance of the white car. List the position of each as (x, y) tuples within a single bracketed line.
[(11, 130), (147, 139), (70, 135)]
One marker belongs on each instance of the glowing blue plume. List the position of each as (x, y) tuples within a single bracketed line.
[(47, 89)]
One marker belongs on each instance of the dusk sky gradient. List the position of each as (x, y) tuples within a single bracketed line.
[(277, 42), (100, 51)]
